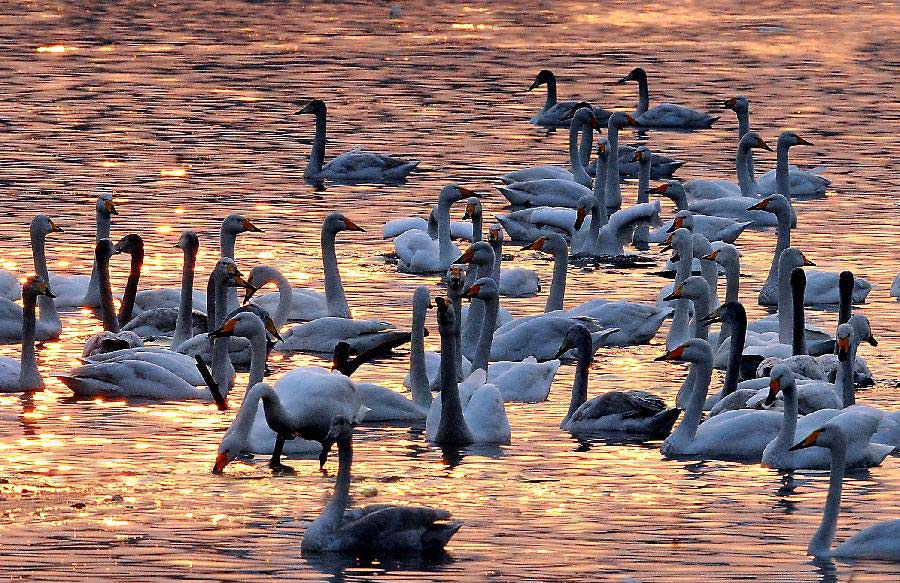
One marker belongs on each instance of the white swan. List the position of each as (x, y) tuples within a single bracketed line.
[(878, 541), (734, 208), (450, 421), (821, 286), (857, 423), (23, 374), (356, 165), (458, 229), (706, 189), (632, 412), (182, 365), (418, 252), (12, 317), (10, 287), (558, 113), (544, 192), (713, 228), (740, 435), (664, 115), (582, 118), (376, 530)]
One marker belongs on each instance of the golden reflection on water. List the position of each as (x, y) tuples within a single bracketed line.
[(185, 113)]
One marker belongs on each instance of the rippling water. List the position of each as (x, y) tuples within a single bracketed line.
[(184, 111)]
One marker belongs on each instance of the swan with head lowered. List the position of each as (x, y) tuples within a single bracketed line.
[(664, 115), (631, 412), (301, 404), (879, 541), (23, 374), (418, 252), (858, 424), (740, 435), (12, 316), (356, 165), (458, 419), (558, 113), (376, 530), (821, 286)]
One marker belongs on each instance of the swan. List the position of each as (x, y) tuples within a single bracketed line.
[(582, 118), (161, 321), (10, 287), (642, 156), (418, 252), (821, 286), (232, 226), (111, 338), (281, 311), (734, 324), (734, 208), (182, 365), (681, 242), (664, 115), (740, 435), (23, 374), (558, 113), (514, 282), (632, 412), (481, 418), (385, 404), (612, 191), (483, 259), (376, 530), (356, 165), (878, 541), (133, 246), (895, 287), (553, 192), (713, 228), (622, 225), (705, 189), (857, 423), (524, 381), (458, 229), (12, 317), (740, 105)]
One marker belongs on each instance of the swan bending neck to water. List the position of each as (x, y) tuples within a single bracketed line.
[(373, 530), (104, 211), (879, 541)]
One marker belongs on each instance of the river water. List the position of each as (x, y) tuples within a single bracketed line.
[(184, 111)]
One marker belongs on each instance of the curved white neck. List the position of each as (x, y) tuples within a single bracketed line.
[(285, 293), (579, 174), (702, 372), (599, 216), (335, 298), (782, 242), (786, 434), (447, 252), (642, 231), (29, 376), (678, 331), (486, 338), (846, 375), (821, 541), (785, 306), (104, 224), (743, 117), (738, 335), (184, 323), (475, 318), (613, 190), (418, 377), (222, 369), (782, 172), (557, 283), (317, 154), (49, 314), (746, 181)]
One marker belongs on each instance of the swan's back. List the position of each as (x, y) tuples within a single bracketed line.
[(486, 417), (313, 396), (879, 541)]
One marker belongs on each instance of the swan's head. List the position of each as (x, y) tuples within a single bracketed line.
[(337, 222), (694, 350), (681, 241), (862, 329), (421, 299), (602, 145), (263, 315), (683, 220), (842, 341), (753, 140), (455, 193), (341, 357), (340, 431), (781, 378), (495, 233), (235, 440), (544, 76), (789, 139), (774, 203), (798, 281), (104, 250), (105, 204), (473, 208), (620, 119), (484, 288), (830, 435), (552, 243), (642, 155), (791, 258), (583, 209), (728, 312), (131, 244), (236, 224), (445, 317), (692, 288), (738, 104), (636, 74), (577, 335), (724, 254), (244, 324), (480, 253), (227, 271), (189, 242), (43, 225), (316, 106), (671, 190), (35, 285), (584, 115)]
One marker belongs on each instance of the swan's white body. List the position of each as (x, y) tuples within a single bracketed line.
[(545, 192), (483, 412), (131, 379), (179, 364), (323, 334)]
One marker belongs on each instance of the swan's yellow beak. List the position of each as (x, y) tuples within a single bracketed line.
[(638, 156), (472, 291), (677, 223), (730, 103), (809, 441), (352, 226), (712, 256), (806, 261), (110, 207), (676, 293), (761, 205), (803, 142), (761, 143), (470, 211), (632, 121), (226, 329), (660, 189), (601, 149), (580, 215), (467, 256), (535, 245), (221, 462), (774, 387), (54, 228), (248, 226), (468, 192), (673, 354)]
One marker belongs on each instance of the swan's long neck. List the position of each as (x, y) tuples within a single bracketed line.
[(821, 541), (477, 227), (782, 174), (486, 338), (788, 429), (246, 415), (557, 283), (738, 331), (845, 305), (29, 376), (107, 308), (846, 376), (497, 246), (709, 270), (475, 317), (257, 357), (285, 294), (583, 351), (743, 117), (227, 240), (701, 310), (333, 513), (785, 307), (447, 251), (587, 143), (317, 154), (642, 231), (131, 287), (613, 190), (49, 314), (732, 281), (643, 96), (678, 331), (798, 322), (418, 377), (579, 174), (334, 289), (222, 369), (599, 216), (104, 224), (551, 93), (184, 323), (454, 293), (679, 197), (781, 243), (745, 180), (452, 428), (702, 370)]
